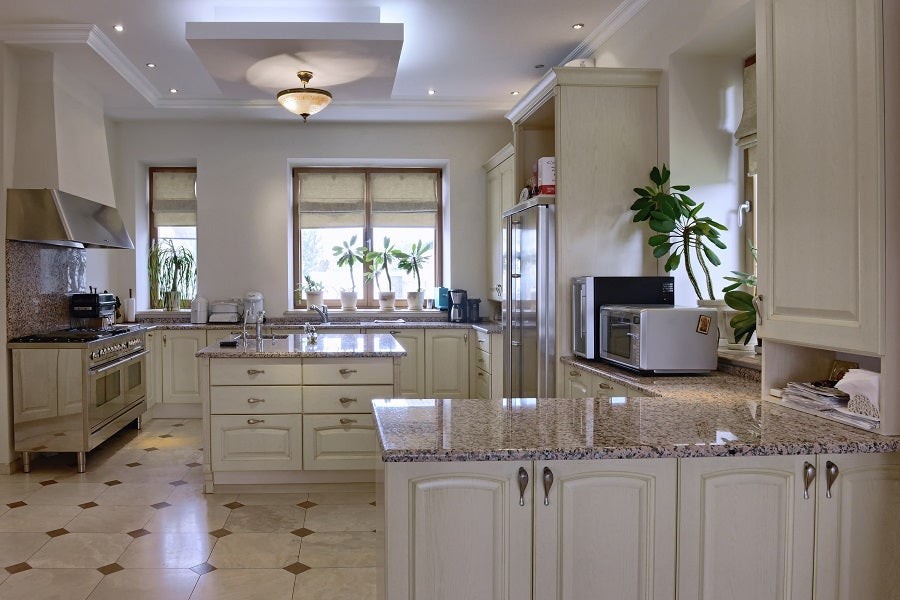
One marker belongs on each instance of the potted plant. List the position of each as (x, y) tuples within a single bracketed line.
[(741, 320), (313, 290), (348, 254), (411, 262), (381, 260), (172, 273)]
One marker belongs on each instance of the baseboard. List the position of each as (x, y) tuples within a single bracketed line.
[(175, 411)]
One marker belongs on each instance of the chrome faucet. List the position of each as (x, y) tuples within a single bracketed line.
[(322, 311), (260, 319)]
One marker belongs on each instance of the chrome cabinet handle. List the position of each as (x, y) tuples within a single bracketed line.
[(255, 371), (347, 421), (255, 421), (831, 475), (522, 479), (164, 340), (395, 332), (480, 374), (347, 371), (574, 374), (604, 386), (466, 338), (743, 209), (548, 483), (809, 475), (255, 400), (346, 400), (757, 304)]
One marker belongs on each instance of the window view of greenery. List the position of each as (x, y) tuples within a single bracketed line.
[(172, 260), (356, 209)]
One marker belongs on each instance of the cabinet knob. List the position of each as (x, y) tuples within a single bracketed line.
[(346, 421), (809, 475), (522, 480), (574, 374), (347, 371), (548, 483), (255, 371), (346, 401), (255, 400), (604, 386), (255, 421)]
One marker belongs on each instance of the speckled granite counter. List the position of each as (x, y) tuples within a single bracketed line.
[(329, 345), (275, 326)]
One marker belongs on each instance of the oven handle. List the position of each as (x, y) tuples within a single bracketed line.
[(119, 362)]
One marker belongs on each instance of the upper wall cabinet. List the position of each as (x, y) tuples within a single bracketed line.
[(821, 66), (501, 196)]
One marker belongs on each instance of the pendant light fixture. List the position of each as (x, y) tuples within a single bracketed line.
[(304, 101)]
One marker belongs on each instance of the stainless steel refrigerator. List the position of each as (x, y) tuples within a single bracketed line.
[(529, 308)]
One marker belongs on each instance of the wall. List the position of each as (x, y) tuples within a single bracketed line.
[(244, 193)]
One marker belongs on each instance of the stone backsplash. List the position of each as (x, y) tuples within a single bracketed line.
[(39, 278)]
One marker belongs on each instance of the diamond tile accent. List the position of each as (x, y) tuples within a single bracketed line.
[(203, 568), (151, 448), (160, 505), (166, 435), (302, 532), (110, 568), (138, 533), (307, 504), (17, 504), (133, 464), (192, 464), (112, 482), (296, 568), (177, 483), (58, 532), (233, 505), (48, 482), (219, 533), (372, 503), (87, 505), (18, 568)]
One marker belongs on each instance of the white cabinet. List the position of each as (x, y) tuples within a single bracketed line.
[(46, 397), (581, 384), (412, 366), (154, 368), (485, 365), (447, 363), (342, 441), (605, 530), (501, 195), (255, 442), (180, 366)]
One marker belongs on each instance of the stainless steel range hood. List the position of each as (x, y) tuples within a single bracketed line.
[(62, 219)]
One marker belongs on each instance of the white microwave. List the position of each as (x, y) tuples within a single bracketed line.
[(659, 339)]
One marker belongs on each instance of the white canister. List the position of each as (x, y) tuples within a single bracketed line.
[(199, 310), (130, 310)]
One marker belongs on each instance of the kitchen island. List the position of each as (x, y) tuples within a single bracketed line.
[(286, 411), (701, 491)]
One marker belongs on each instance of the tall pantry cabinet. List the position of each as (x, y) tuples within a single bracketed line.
[(601, 125), (828, 90)]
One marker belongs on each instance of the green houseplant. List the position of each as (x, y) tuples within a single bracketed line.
[(172, 275), (412, 262), (381, 260), (744, 322), (348, 254), (679, 230), (313, 290)]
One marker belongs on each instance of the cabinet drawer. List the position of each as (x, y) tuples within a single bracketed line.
[(335, 442), (482, 340), (249, 371), (348, 371), (482, 384), (343, 398), (481, 359), (255, 399), (256, 442), (608, 387)]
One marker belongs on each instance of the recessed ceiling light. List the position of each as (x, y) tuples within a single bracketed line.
[(430, 92), (173, 91), (151, 65), (119, 27), (578, 26), (514, 93)]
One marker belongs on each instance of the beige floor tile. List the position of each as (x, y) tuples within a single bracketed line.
[(342, 497), (146, 584), (241, 584), (3, 508), (80, 551), (259, 519), (272, 499), (18, 547), (255, 551), (335, 584), (37, 518), (152, 474), (135, 494), (97, 474), (340, 518), (12, 490), (167, 551), (193, 492), (50, 584), (195, 516), (65, 493), (4, 575), (111, 519), (339, 549)]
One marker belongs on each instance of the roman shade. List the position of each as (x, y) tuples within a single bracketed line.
[(746, 130), (404, 199), (331, 199), (174, 198)]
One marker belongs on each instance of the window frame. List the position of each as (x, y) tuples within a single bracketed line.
[(368, 299)]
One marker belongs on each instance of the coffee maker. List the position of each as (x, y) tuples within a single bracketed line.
[(457, 310)]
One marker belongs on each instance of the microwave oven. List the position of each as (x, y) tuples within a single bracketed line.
[(660, 339), (590, 293)]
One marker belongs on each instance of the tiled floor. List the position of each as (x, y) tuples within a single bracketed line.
[(138, 526)]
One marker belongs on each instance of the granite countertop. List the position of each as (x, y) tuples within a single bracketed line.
[(386, 324), (328, 345), (682, 416)]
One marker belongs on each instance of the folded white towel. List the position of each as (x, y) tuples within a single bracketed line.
[(863, 388)]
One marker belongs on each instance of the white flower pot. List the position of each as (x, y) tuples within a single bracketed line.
[(415, 300), (314, 298), (386, 300), (730, 342), (348, 300)]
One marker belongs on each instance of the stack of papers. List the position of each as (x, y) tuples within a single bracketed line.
[(814, 397)]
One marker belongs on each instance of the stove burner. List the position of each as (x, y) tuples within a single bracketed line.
[(73, 335)]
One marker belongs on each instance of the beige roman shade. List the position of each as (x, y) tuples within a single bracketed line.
[(746, 130), (404, 199), (174, 196), (331, 199)]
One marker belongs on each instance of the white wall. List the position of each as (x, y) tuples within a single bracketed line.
[(244, 193)]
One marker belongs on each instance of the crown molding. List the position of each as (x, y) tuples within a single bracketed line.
[(607, 28)]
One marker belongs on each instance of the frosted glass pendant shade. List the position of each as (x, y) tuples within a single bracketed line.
[(304, 101)]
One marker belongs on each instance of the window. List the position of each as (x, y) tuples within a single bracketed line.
[(333, 206), (173, 221)]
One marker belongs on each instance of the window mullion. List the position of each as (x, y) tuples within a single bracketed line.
[(369, 235)]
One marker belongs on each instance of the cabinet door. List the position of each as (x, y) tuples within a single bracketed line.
[(256, 442), (857, 527), (481, 384), (412, 366), (608, 387), (338, 442), (745, 529), (154, 367), (578, 384), (447, 363), (458, 530), (605, 530), (821, 177), (180, 366), (494, 234)]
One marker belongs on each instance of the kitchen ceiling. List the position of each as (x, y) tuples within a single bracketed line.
[(228, 58)]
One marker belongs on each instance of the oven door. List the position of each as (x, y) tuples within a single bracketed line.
[(620, 337), (116, 387)]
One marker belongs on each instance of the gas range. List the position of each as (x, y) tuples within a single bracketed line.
[(102, 345)]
